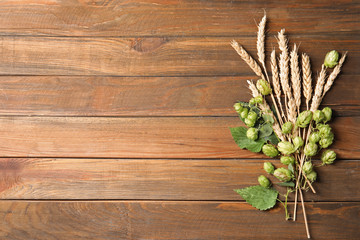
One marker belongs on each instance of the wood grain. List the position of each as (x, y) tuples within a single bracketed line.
[(173, 18), (171, 220), (162, 56), (164, 137), (144, 96), (158, 179)]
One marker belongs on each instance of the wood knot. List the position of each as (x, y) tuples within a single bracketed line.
[(148, 44)]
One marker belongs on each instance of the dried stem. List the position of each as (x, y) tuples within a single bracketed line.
[(304, 212)]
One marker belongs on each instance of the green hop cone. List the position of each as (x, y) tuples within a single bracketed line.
[(311, 176), (318, 116), (264, 181), (304, 119), (252, 116), (286, 128), (307, 167), (244, 113), (326, 141), (252, 133), (328, 157), (283, 174), (324, 130), (268, 167), (331, 59), (238, 107), (311, 149), (286, 148), (263, 87), (249, 122), (327, 114), (314, 137), (256, 100), (270, 150), (251, 119), (286, 160), (298, 142)]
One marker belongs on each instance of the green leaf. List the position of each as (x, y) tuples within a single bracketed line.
[(286, 184), (272, 138), (259, 197), (268, 118), (265, 130), (239, 135), (291, 168)]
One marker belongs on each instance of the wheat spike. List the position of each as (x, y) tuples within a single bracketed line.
[(334, 74), (307, 81), (247, 58), (316, 100), (282, 41), (265, 108), (295, 76), (284, 64), (261, 41), (276, 80)]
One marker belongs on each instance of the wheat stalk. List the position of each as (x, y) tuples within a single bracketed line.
[(248, 59), (333, 75), (295, 77), (276, 80), (265, 108), (307, 81), (318, 89)]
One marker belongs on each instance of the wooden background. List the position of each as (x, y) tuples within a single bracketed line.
[(115, 114)]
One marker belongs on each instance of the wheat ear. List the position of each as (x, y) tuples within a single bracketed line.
[(261, 41), (276, 80), (284, 63), (316, 100), (248, 59), (284, 67), (307, 80), (265, 108), (295, 76), (292, 110), (334, 74), (260, 45)]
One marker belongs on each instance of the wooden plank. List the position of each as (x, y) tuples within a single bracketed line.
[(151, 56), (158, 179), (171, 220), (175, 18), (164, 137), (144, 96)]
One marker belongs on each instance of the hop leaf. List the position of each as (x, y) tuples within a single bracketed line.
[(259, 197), (239, 135)]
